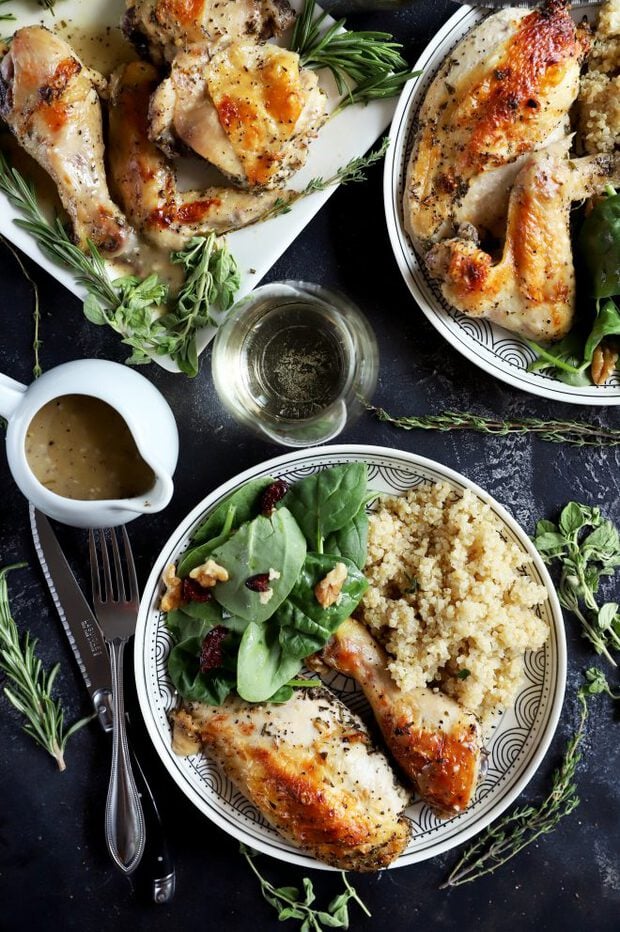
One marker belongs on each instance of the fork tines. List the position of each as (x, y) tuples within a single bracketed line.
[(124, 586)]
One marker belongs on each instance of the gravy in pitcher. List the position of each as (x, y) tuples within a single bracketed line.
[(81, 448)]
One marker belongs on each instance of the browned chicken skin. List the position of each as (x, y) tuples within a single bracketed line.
[(49, 101), (504, 91), (531, 289), (309, 766), (144, 179), (436, 743), (164, 27)]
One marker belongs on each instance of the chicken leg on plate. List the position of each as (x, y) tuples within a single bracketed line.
[(531, 289), (309, 766), (504, 91), (49, 101), (436, 742), (164, 27), (249, 109), (144, 180)]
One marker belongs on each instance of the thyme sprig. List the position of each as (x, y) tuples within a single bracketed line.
[(30, 686), (370, 60), (291, 903), (587, 547), (575, 433), (131, 305), (515, 831)]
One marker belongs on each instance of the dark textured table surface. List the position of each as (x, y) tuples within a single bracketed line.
[(54, 869)]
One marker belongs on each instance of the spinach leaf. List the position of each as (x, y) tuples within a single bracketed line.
[(327, 500), (262, 666), (264, 544), (351, 541), (197, 555), (607, 324), (302, 614), (195, 619), (600, 245), (184, 669), (245, 501)]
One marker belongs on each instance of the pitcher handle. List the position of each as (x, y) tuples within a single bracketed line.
[(11, 394)]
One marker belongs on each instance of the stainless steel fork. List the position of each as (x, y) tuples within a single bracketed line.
[(116, 600)]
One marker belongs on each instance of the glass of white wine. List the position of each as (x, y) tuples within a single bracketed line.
[(295, 361)]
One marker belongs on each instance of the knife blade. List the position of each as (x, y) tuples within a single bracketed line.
[(76, 616), (92, 657)]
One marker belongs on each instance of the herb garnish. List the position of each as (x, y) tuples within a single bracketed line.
[(588, 548), (515, 831), (366, 65), (131, 305), (596, 683), (30, 686), (291, 903), (576, 433), (36, 341)]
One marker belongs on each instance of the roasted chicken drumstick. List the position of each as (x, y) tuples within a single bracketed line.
[(144, 180), (49, 101), (436, 743), (309, 766)]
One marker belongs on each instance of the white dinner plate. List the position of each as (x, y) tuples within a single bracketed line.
[(256, 248), (497, 351), (516, 746)]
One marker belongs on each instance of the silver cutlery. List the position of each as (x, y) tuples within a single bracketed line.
[(527, 4), (91, 654), (115, 600)]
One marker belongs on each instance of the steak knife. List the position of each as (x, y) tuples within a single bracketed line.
[(92, 658)]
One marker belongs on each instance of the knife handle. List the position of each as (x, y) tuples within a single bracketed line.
[(157, 864)]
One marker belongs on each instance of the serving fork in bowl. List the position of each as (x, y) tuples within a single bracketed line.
[(116, 602)]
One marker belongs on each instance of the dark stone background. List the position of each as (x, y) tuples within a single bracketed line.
[(54, 869)]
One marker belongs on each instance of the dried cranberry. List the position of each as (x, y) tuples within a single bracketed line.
[(192, 591), (211, 650), (258, 583), (272, 495)]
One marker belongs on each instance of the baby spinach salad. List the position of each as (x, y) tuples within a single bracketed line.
[(573, 359), (282, 549)]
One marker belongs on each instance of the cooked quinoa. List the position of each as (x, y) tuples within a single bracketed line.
[(448, 594), (598, 104)]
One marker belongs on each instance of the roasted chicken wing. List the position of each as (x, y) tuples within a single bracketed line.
[(49, 101), (436, 743), (309, 766), (531, 289), (144, 180), (504, 91), (162, 28), (248, 109)]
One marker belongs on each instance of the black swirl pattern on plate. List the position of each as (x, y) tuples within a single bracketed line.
[(511, 745)]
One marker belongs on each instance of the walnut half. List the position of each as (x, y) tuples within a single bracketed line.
[(328, 590), (209, 573), (172, 597)]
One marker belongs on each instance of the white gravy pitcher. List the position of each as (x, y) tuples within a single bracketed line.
[(145, 412)]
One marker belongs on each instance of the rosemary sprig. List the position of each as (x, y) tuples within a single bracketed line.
[(288, 902), (131, 305), (515, 831), (587, 547), (31, 687), (36, 342), (575, 433), (6, 17), (353, 172), (370, 60)]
